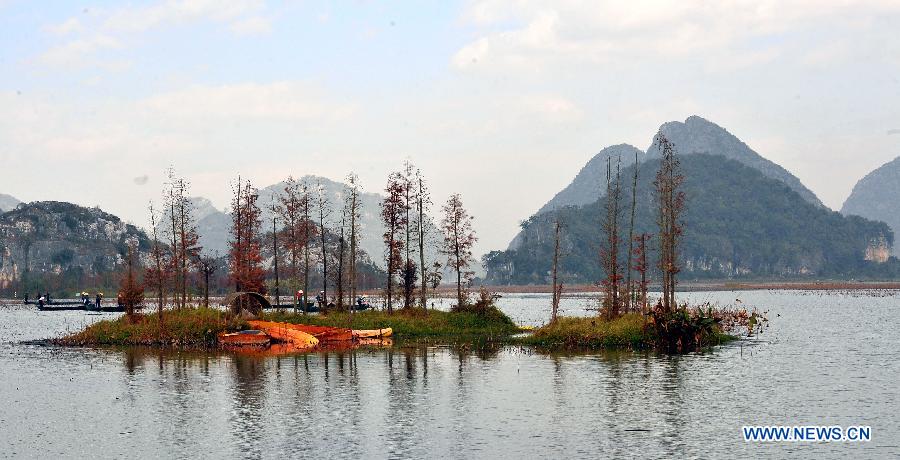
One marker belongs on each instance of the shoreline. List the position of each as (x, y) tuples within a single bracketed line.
[(695, 286)]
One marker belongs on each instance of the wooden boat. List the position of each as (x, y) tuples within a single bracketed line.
[(323, 333), (283, 332), (376, 342), (248, 338), (372, 333)]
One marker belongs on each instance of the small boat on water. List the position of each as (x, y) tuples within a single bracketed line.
[(323, 333), (283, 332), (248, 338), (372, 333)]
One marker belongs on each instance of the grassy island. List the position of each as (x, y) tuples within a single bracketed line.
[(415, 323), (189, 327), (684, 329), (198, 327), (629, 331)]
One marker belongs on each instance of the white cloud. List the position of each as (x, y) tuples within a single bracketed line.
[(533, 35), (66, 27), (255, 25), (277, 101), (111, 28), (76, 53), (139, 19)]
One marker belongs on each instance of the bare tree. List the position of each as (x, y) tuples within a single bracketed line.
[(323, 211), (184, 237), (670, 200), (245, 267), (208, 265), (557, 286), (423, 205), (629, 287), (307, 233), (352, 210), (131, 290), (275, 250), (289, 209), (408, 269), (609, 254), (459, 237), (159, 273), (640, 266), (393, 216)]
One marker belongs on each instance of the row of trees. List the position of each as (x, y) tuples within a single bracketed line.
[(670, 200), (408, 230), (309, 236), (625, 282)]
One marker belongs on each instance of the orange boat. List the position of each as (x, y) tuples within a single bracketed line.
[(323, 333), (249, 338), (373, 333), (283, 332)]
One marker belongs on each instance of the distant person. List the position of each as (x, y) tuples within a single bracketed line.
[(41, 302), (26, 298), (98, 300)]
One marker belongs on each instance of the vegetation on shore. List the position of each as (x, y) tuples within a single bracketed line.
[(198, 327), (414, 323), (189, 327), (680, 330)]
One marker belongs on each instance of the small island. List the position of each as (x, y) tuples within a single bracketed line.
[(627, 318)]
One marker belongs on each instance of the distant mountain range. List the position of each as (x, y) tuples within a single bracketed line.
[(738, 223), (746, 216), (877, 196), (214, 225), (694, 135)]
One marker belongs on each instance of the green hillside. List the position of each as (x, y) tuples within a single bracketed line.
[(738, 223)]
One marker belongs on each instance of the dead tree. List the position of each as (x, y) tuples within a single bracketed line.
[(557, 286), (609, 254), (275, 250), (670, 200), (459, 237), (131, 290), (393, 216), (183, 236), (352, 209), (307, 235), (245, 267), (629, 287), (323, 211), (289, 210), (158, 275), (423, 205), (208, 265), (640, 266)]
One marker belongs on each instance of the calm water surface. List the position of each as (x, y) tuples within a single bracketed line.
[(827, 358)]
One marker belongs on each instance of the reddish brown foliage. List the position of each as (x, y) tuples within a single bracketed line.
[(245, 264)]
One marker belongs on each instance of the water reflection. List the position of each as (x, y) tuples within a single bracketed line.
[(461, 401)]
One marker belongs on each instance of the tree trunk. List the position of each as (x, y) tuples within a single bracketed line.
[(556, 288)]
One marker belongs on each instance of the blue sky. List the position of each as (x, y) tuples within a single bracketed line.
[(500, 100)]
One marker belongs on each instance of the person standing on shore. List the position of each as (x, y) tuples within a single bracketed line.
[(99, 296)]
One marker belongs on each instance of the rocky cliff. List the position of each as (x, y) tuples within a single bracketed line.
[(50, 237)]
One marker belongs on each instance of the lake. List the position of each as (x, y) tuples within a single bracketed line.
[(827, 358)]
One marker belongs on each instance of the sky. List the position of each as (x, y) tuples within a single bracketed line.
[(502, 101)]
